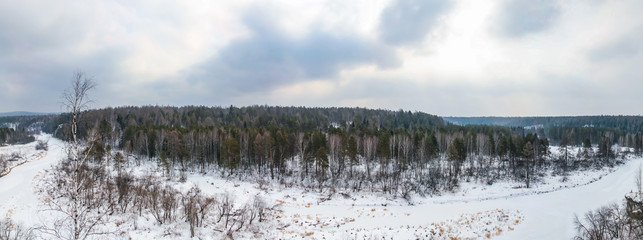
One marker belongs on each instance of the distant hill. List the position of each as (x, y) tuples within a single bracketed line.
[(500, 121), (21, 113), (631, 124)]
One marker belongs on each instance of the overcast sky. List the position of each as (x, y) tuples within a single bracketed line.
[(450, 58)]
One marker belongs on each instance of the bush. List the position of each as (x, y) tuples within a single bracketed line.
[(13, 231), (42, 145), (3, 163), (611, 222), (15, 156)]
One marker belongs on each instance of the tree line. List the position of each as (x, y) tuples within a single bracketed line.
[(622, 130), (630, 124), (347, 148)]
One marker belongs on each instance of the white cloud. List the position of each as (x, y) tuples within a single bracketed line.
[(467, 57)]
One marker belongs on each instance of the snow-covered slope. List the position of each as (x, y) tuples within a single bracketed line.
[(550, 216), (546, 215), (365, 215)]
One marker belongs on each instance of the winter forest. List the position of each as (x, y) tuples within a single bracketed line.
[(330, 153), (353, 149), (321, 120)]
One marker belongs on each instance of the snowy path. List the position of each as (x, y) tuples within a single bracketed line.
[(17, 197), (546, 216)]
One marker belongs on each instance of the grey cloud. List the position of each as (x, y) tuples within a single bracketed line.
[(625, 48), (562, 95), (409, 21), (615, 67), (622, 50), (44, 80), (27, 29), (518, 18), (38, 49), (41, 46), (270, 58)]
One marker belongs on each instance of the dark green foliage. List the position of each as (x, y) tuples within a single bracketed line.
[(383, 150), (587, 143), (352, 150), (638, 143), (322, 158), (95, 151), (569, 131), (503, 146), (230, 152), (492, 145), (456, 153), (528, 151), (11, 136), (431, 146)]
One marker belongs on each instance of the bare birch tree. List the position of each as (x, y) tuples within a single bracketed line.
[(67, 195)]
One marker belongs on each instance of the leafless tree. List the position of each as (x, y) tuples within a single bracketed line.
[(193, 209), (124, 190), (69, 198), (10, 230), (225, 207), (639, 180), (163, 202), (239, 217), (256, 208), (607, 222), (76, 100), (3, 164)]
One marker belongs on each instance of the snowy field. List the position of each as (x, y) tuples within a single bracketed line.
[(476, 211)]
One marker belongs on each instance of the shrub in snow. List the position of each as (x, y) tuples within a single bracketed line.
[(608, 222), (42, 145), (84, 194), (634, 207), (15, 156), (614, 221), (10, 230), (196, 207), (3, 164)]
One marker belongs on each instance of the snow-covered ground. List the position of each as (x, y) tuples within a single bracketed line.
[(18, 199), (19, 154), (478, 211), (544, 212)]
